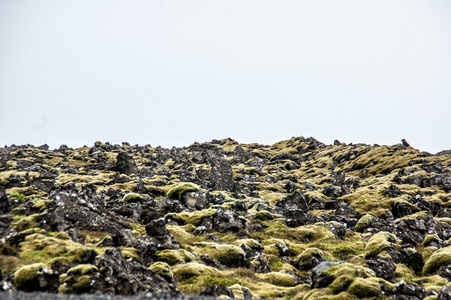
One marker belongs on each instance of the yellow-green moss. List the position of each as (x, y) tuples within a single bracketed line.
[(431, 237), (27, 222), (440, 257), (279, 279), (379, 242), (364, 288), (264, 215), (188, 270), (82, 284), (162, 269), (341, 283), (228, 255), (195, 218), (364, 222), (179, 190), (132, 197), (129, 252), (82, 269), (175, 256), (26, 274), (304, 261)]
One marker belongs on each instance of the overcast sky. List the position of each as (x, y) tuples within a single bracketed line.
[(171, 73)]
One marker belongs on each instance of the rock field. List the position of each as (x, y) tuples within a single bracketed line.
[(295, 220)]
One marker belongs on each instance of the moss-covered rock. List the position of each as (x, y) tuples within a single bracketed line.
[(188, 270), (364, 222), (162, 269), (364, 288), (279, 279), (309, 258), (132, 197), (82, 269), (264, 215), (379, 242), (26, 275), (229, 255), (180, 190), (173, 257), (82, 284), (440, 257), (195, 218)]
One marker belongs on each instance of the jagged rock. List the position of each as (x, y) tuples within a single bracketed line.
[(125, 163), (217, 291), (384, 267)]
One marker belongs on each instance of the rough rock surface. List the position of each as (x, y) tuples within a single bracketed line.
[(298, 219)]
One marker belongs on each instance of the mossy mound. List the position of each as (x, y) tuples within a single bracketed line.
[(180, 190), (228, 255), (379, 242), (192, 269), (82, 269), (173, 257), (308, 258), (132, 197), (438, 258), (195, 218), (365, 288), (162, 269), (27, 275)]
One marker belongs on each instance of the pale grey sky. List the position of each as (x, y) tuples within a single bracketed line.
[(172, 73)]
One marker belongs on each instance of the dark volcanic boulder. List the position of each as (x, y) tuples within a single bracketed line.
[(125, 163)]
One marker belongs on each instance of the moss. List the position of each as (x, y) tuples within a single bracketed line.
[(229, 255), (82, 269), (173, 257), (27, 274), (305, 260), (431, 238), (132, 197), (349, 269), (364, 222), (277, 278), (251, 243), (440, 257), (264, 215), (180, 190), (28, 222), (162, 269), (194, 218), (364, 288), (82, 284), (62, 236), (341, 283), (379, 242), (129, 252), (188, 270)]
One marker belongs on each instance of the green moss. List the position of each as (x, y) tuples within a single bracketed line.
[(229, 255), (28, 222), (349, 269), (82, 269), (341, 283), (364, 288), (251, 243), (440, 257), (304, 261), (180, 190), (27, 274), (162, 269), (431, 237), (279, 279), (264, 215), (173, 257), (129, 252), (188, 270), (379, 242), (82, 284), (195, 218), (132, 197), (364, 222), (62, 236)]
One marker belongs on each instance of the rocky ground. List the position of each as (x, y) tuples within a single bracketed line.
[(295, 220)]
